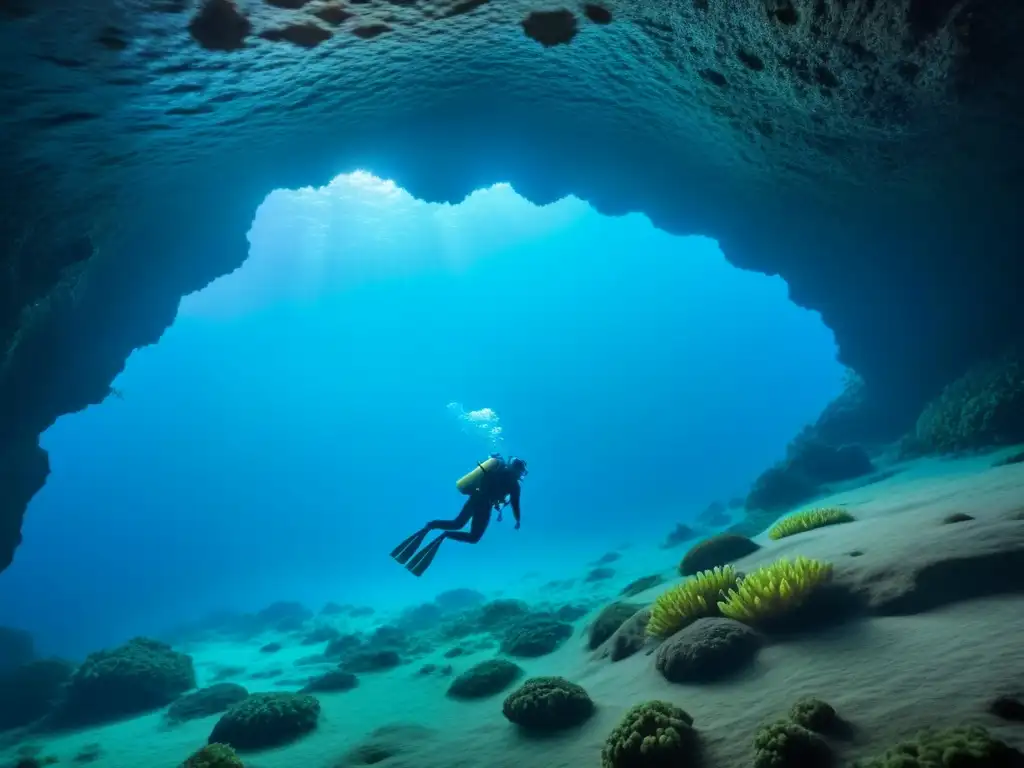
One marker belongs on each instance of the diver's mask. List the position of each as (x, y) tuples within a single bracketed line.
[(519, 466)]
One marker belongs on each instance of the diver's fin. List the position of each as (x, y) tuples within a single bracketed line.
[(425, 557), (408, 548)]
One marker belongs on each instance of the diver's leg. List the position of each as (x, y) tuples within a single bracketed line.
[(468, 513), (408, 548), (481, 518)]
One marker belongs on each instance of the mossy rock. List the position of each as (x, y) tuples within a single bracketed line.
[(335, 681), (500, 613), (372, 661), (16, 648), (485, 679), (265, 720), (343, 645), (707, 650), (396, 744), (322, 634), (788, 745), (984, 407), (139, 676), (630, 638), (815, 715), (715, 552), (548, 704), (963, 747), (34, 761), (30, 691), (571, 612), (608, 621), (214, 756), (206, 701), (642, 584), (537, 636), (88, 753)]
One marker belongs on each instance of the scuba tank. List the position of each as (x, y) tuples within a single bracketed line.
[(472, 480)]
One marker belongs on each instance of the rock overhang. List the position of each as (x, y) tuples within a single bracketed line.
[(867, 154)]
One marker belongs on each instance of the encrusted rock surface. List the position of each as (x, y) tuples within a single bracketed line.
[(868, 152)]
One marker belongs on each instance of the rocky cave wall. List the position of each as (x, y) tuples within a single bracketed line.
[(867, 152)]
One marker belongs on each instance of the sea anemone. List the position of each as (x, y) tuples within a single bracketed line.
[(774, 590), (808, 520), (693, 599)]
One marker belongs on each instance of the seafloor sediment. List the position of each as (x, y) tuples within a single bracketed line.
[(927, 635)]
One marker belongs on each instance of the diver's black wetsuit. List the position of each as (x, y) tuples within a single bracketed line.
[(496, 485), (492, 492)]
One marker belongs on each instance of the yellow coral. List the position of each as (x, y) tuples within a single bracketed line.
[(690, 600), (774, 590), (808, 520)]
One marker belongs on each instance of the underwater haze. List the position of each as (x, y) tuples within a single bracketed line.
[(307, 412)]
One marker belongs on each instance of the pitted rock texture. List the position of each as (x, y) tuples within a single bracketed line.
[(707, 650), (868, 152)]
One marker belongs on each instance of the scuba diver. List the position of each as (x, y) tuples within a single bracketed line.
[(487, 487)]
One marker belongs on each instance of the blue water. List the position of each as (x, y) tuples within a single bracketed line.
[(294, 423)]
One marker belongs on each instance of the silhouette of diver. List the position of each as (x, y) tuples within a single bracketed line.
[(488, 486)]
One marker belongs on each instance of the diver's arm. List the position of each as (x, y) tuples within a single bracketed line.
[(513, 499)]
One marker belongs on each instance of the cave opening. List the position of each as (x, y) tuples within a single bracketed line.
[(309, 410)]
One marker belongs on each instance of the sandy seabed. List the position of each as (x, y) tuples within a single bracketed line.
[(946, 638)]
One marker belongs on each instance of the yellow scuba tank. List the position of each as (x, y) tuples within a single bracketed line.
[(470, 481)]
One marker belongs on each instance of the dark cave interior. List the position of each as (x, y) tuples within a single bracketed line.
[(867, 153)]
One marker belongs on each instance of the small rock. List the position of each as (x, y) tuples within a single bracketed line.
[(706, 650)]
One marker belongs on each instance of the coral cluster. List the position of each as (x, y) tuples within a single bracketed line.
[(205, 702), (787, 745), (655, 733), (214, 756), (815, 715), (139, 676), (372, 660), (983, 407), (484, 679), (694, 598), (265, 720), (548, 704), (335, 681), (808, 520), (534, 637), (963, 747)]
